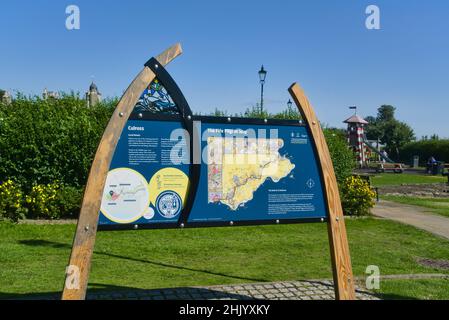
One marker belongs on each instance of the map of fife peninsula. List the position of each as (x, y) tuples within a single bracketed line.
[(238, 167)]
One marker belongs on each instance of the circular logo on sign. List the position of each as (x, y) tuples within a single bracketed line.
[(169, 204)]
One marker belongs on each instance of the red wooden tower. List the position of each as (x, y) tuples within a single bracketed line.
[(356, 137)]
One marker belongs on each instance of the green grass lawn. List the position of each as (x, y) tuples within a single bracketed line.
[(428, 289), (33, 257), (389, 179), (436, 205)]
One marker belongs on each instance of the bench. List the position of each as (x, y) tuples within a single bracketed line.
[(446, 171), (395, 167)]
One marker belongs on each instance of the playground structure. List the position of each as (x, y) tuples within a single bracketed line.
[(362, 147)]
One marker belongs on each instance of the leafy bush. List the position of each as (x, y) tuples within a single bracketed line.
[(426, 149), (11, 202), (69, 201), (343, 157), (357, 196)]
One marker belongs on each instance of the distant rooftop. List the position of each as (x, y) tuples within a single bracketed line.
[(356, 119), (93, 87)]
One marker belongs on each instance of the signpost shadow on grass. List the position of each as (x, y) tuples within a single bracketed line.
[(45, 243), (159, 166)]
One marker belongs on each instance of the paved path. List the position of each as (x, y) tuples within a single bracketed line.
[(292, 290), (288, 290), (416, 216), (285, 290)]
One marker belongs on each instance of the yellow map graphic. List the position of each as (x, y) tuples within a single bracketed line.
[(237, 167)]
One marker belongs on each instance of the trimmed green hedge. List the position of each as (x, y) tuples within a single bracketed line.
[(43, 141), (46, 145), (425, 149)]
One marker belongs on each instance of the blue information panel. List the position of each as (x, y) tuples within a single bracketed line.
[(252, 173)]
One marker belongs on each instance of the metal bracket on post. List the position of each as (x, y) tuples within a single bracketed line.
[(188, 119)]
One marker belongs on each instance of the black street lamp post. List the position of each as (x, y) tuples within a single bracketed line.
[(289, 108), (262, 76)]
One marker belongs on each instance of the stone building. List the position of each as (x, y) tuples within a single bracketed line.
[(5, 97), (49, 94), (93, 96)]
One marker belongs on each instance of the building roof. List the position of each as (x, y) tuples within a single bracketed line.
[(93, 87), (356, 119)]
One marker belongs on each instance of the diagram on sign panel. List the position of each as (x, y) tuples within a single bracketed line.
[(125, 196)]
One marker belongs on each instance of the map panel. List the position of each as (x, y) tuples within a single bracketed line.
[(257, 173), (238, 167)]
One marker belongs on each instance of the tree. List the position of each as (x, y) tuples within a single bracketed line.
[(219, 113), (396, 135), (391, 132), (435, 137), (385, 113), (373, 130)]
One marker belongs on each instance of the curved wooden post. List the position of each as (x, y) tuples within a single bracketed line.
[(338, 242), (77, 272)]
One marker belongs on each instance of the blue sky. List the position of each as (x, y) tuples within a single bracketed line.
[(323, 45)]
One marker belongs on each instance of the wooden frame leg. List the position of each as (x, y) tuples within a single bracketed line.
[(338, 242), (77, 272)]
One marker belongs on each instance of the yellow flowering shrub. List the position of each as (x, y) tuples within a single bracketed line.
[(357, 196), (11, 201), (42, 201), (53, 201)]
